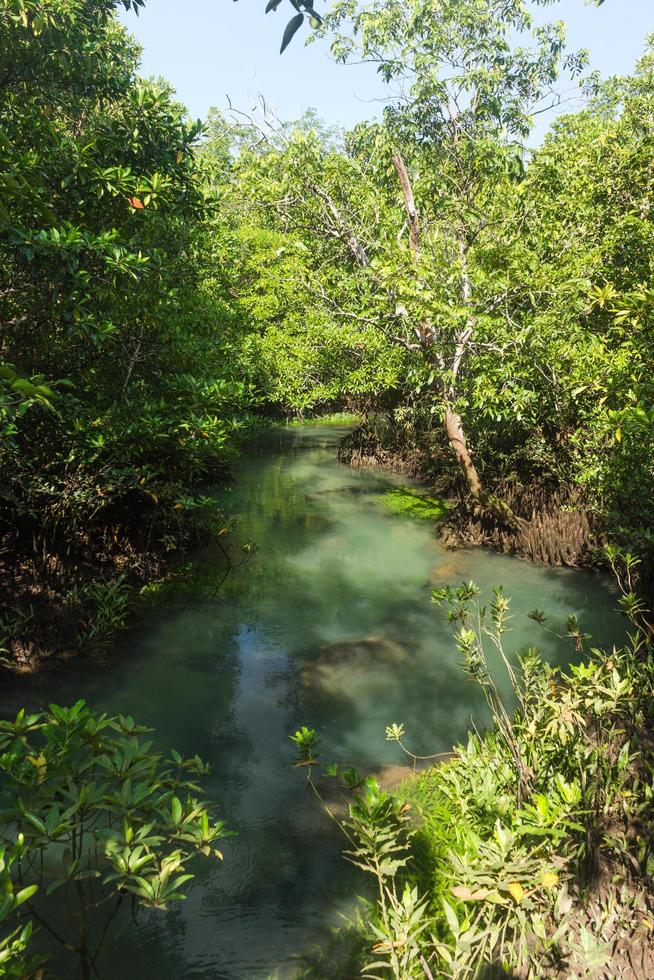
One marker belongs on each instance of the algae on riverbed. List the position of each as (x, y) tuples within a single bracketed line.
[(409, 502)]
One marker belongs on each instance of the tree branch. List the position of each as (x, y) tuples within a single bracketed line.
[(410, 206), (345, 231)]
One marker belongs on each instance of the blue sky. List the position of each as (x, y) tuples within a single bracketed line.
[(212, 49)]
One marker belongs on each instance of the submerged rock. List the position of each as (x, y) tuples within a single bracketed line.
[(325, 669), (390, 776), (448, 573)]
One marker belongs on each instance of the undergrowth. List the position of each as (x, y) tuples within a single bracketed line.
[(528, 854)]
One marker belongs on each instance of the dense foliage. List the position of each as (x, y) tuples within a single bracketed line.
[(488, 309), (90, 813), (492, 301), (124, 378)]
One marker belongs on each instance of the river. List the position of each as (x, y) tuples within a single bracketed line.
[(329, 624)]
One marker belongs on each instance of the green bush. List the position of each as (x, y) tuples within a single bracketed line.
[(491, 860), (90, 812)]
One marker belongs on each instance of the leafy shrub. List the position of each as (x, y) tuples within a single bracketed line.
[(13, 959), (99, 819), (490, 861)]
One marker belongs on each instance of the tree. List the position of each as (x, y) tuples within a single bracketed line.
[(582, 268), (291, 204), (438, 169), (122, 385)]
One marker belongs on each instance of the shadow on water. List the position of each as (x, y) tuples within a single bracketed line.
[(329, 624)]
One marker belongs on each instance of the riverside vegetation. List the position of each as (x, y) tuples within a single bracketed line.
[(167, 286), (529, 853)]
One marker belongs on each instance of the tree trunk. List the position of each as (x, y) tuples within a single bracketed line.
[(500, 510), (453, 423), (409, 206), (456, 436)]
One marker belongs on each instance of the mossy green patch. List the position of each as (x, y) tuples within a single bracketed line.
[(409, 502), (335, 418)]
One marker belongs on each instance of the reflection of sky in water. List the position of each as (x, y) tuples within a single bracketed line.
[(330, 625)]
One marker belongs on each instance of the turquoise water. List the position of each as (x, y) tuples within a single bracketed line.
[(328, 624)]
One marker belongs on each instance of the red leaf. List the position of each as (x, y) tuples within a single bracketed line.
[(134, 201)]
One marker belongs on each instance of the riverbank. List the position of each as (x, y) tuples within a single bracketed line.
[(551, 524), (350, 419), (58, 605), (531, 847), (528, 849), (62, 598)]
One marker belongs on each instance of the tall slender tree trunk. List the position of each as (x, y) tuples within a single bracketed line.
[(453, 422), (409, 206), (457, 440)]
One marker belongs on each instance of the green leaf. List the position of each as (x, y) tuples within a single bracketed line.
[(36, 822), (451, 917), (293, 26), (26, 893)]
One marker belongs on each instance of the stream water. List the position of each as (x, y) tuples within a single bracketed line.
[(328, 624)]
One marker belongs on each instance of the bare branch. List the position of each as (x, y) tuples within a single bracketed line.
[(344, 230), (410, 206)]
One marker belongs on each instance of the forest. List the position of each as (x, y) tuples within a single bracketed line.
[(462, 319)]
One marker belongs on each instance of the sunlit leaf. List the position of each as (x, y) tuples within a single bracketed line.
[(517, 891)]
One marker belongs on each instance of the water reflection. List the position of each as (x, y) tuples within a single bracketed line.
[(329, 624)]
